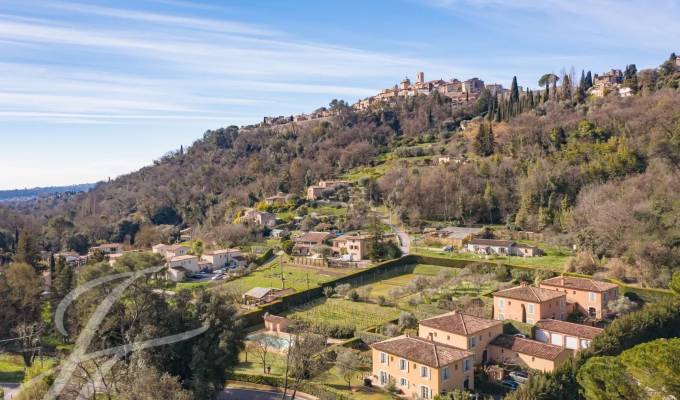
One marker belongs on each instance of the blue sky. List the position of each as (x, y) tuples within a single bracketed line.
[(91, 90)]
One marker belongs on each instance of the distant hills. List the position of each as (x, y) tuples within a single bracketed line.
[(28, 194)]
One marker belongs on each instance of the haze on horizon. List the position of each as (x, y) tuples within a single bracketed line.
[(92, 90)]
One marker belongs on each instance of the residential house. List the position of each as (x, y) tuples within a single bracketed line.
[(501, 247), (189, 263), (457, 236), (304, 244), (314, 192), (527, 353), (108, 248), (474, 85), (565, 334), (355, 246), (169, 251), (279, 199), (224, 258), (262, 218), (261, 295), (588, 296), (176, 274), (462, 331), (186, 234), (114, 257), (278, 233), (71, 257), (529, 304), (421, 368)]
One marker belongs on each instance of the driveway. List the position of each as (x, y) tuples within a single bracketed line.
[(249, 394)]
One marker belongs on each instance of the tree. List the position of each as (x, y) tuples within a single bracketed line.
[(78, 243), (622, 305), (348, 362), (674, 284), (20, 303), (27, 250), (514, 91), (655, 365), (605, 378), (407, 320), (263, 346), (305, 359), (484, 142), (63, 279)]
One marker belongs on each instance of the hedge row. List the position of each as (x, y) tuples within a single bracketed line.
[(323, 392), (357, 278)]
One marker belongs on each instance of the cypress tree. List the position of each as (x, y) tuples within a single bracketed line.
[(589, 80), (514, 91)]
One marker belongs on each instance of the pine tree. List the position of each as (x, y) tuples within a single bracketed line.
[(484, 141), (27, 250)]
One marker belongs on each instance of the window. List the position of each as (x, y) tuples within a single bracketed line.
[(466, 365), (383, 378), (501, 317), (473, 342), (403, 382), (448, 337), (501, 303), (424, 392), (424, 372), (591, 296), (530, 321), (585, 343), (403, 364), (530, 308), (383, 358), (446, 373)]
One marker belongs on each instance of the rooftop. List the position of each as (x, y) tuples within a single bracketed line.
[(182, 258), (460, 232), (459, 323), (572, 282), (569, 328), (529, 293), (317, 237), (221, 251), (528, 346), (258, 292), (422, 351), (492, 242)]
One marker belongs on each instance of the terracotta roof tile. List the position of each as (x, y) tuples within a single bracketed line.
[(569, 328), (529, 293), (528, 346), (422, 351), (459, 323), (572, 282), (316, 237)]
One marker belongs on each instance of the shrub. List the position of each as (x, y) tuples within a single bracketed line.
[(585, 262), (391, 330), (407, 320), (328, 291), (381, 300), (343, 289), (353, 295)]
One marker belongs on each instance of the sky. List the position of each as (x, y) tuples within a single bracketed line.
[(92, 90)]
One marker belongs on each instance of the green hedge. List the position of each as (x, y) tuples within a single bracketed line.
[(264, 257), (323, 392), (370, 337), (360, 277)]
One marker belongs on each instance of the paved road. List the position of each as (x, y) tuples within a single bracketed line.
[(249, 394)]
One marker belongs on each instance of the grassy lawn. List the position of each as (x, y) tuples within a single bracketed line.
[(11, 368), (334, 379), (554, 259), (298, 278), (253, 365), (340, 311), (329, 210)]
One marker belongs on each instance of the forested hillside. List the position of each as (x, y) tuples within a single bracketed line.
[(601, 173)]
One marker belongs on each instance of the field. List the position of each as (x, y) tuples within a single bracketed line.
[(11, 368), (555, 258), (344, 312), (298, 278)]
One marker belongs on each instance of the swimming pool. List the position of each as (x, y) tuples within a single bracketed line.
[(277, 342)]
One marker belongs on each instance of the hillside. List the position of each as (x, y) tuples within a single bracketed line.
[(29, 194), (554, 162)]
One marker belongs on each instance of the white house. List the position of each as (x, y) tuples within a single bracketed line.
[(169, 251), (224, 257), (189, 263)]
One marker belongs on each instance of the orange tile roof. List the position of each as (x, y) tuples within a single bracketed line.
[(573, 282), (569, 328), (459, 323), (528, 346), (529, 293), (422, 351)]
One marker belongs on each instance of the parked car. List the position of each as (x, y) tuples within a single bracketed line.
[(510, 384), (447, 248), (519, 376), (217, 277)]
